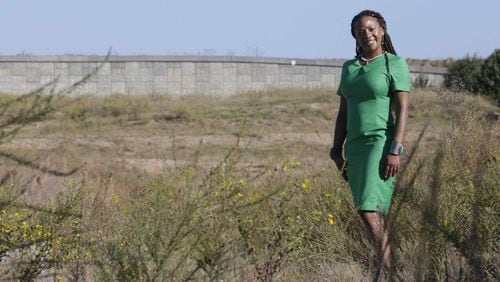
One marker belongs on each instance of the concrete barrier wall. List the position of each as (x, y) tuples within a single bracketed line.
[(177, 75)]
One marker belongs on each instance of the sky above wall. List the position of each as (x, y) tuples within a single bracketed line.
[(423, 29)]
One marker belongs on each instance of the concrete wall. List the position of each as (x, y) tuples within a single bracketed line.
[(176, 75)]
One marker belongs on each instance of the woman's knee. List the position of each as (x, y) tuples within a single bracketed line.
[(373, 220)]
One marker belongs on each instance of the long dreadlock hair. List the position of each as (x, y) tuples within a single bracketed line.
[(386, 41)]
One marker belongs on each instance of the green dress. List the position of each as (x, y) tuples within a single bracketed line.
[(370, 125)]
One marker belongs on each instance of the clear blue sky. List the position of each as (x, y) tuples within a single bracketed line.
[(434, 29)]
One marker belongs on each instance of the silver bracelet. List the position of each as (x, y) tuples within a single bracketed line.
[(396, 149)]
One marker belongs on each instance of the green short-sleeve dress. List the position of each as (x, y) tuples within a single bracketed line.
[(370, 125)]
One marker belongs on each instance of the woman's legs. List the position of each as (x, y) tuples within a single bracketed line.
[(374, 222)]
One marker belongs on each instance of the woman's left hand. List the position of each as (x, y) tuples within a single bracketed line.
[(391, 166)]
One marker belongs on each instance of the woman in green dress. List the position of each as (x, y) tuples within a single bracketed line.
[(371, 122)]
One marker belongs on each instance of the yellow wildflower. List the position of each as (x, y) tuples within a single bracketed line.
[(291, 165), (188, 171), (445, 223), (338, 202), (306, 185), (24, 225), (330, 218), (115, 199), (39, 230)]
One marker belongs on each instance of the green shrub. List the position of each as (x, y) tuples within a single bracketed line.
[(464, 74), (185, 227), (34, 239), (475, 75), (489, 80)]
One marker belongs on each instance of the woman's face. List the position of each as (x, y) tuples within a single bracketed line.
[(369, 35)]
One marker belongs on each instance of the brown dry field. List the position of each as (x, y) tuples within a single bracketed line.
[(134, 136)]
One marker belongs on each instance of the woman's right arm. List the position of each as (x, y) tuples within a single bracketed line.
[(339, 134)]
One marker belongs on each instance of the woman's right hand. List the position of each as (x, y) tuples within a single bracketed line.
[(336, 156), (339, 161)]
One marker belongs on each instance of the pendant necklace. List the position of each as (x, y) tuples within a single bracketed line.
[(366, 61)]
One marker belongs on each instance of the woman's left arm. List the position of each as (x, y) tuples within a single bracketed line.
[(401, 115), (392, 163)]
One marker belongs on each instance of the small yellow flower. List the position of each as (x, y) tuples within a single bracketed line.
[(338, 202), (188, 171), (306, 185), (115, 199), (445, 223), (242, 182), (330, 218), (291, 165), (39, 230), (24, 225)]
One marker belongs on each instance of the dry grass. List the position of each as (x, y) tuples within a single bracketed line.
[(241, 187)]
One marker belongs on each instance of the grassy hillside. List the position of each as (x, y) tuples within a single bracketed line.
[(240, 188)]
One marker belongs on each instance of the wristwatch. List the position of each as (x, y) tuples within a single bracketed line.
[(397, 148)]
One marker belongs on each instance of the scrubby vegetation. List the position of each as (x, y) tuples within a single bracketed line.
[(477, 76), (241, 188)]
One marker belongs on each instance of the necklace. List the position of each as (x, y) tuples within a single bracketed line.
[(371, 59)]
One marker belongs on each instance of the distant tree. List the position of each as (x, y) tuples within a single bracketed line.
[(463, 75), (489, 79)]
